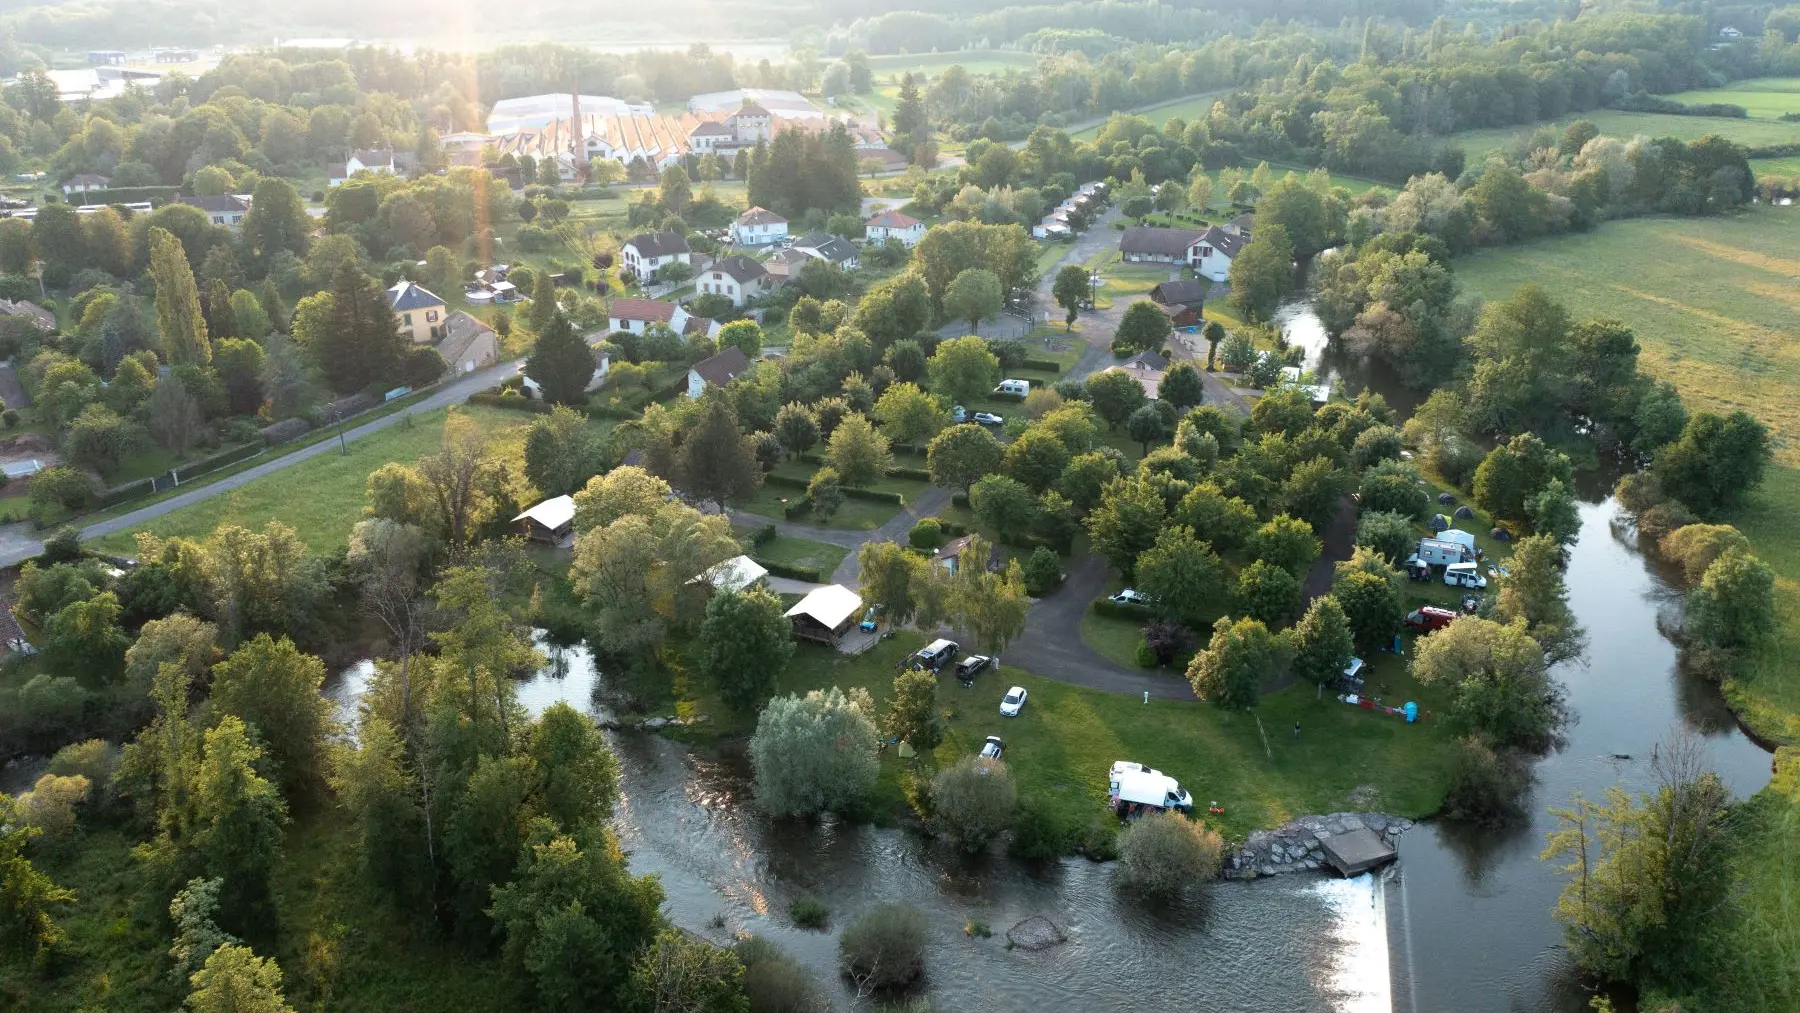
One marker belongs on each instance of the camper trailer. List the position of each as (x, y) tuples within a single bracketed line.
[(1441, 552)]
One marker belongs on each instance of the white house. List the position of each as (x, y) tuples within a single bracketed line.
[(368, 160), (894, 225), (647, 253), (1208, 251), (739, 279), (828, 248), (635, 316), (84, 182), (717, 370), (758, 227), (224, 209), (1211, 255)]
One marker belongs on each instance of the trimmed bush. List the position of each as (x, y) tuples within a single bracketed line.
[(926, 535), (910, 474), (1113, 610), (808, 574), (797, 509), (785, 481), (511, 402), (874, 495), (1042, 365), (763, 535)]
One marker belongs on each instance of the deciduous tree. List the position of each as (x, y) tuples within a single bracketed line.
[(747, 640), (1231, 671), (178, 314), (858, 452), (814, 753), (963, 453)]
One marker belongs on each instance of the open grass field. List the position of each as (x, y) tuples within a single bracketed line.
[(1191, 108), (1789, 166), (801, 552), (1764, 98), (889, 69), (322, 498), (1751, 132), (1767, 694), (1067, 737), (1715, 302)]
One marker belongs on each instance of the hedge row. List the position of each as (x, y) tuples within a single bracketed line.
[(805, 573), (220, 460), (874, 496), (1644, 102), (124, 493), (1043, 365), (1113, 610), (785, 481), (798, 508), (910, 474), (158, 195), (517, 404), (960, 499)]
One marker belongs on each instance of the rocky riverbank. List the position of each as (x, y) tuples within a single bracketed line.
[(1294, 846)]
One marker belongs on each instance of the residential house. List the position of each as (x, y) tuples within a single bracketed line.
[(1147, 244), (718, 370), (1730, 33), (1211, 255), (751, 124), (636, 315), (880, 160), (42, 318), (223, 209), (551, 521), (894, 225), (467, 344), (1241, 225), (828, 248), (785, 266), (738, 278), (1182, 300), (950, 556), (368, 160), (1207, 251), (758, 227), (84, 182), (419, 310), (647, 253), (826, 613)]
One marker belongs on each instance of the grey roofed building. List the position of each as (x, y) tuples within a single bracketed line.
[(408, 295), (218, 204), (1190, 292), (1148, 241), (723, 367), (836, 249), (742, 269), (1148, 360), (467, 342), (1228, 243), (658, 244), (759, 216)]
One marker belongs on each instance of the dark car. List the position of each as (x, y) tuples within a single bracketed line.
[(969, 667)]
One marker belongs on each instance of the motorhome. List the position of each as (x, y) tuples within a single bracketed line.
[(1464, 575), (1443, 552), (1017, 388), (1141, 789)]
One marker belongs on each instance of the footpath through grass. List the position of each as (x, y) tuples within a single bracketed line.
[(322, 498), (1715, 302)]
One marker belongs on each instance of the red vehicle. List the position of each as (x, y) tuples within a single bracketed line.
[(1430, 618)]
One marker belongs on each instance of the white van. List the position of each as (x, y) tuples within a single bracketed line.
[(1464, 575), (936, 654), (1147, 789), (1019, 388)]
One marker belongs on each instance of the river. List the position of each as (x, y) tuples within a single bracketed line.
[(1460, 922)]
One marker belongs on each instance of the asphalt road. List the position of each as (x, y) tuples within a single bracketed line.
[(19, 543)]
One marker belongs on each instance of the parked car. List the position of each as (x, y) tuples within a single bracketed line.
[(993, 748), (959, 414), (967, 668), (1012, 702), (1430, 618), (989, 419), (1464, 575), (1131, 597), (936, 655)]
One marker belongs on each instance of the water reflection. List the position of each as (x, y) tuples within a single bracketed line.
[(1461, 923)]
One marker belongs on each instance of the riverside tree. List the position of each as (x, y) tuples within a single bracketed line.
[(1164, 854), (814, 753), (973, 801), (747, 641)]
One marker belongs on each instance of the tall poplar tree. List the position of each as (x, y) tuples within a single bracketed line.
[(177, 301)]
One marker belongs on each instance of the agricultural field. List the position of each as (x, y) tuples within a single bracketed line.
[(1789, 166), (890, 69), (322, 498), (1715, 302), (1764, 98), (1191, 108), (1751, 132)]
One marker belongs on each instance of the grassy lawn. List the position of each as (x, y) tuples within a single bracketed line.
[(1764, 98), (854, 515), (1775, 166), (1067, 737), (1114, 639), (1192, 108), (802, 552), (1713, 302), (322, 498), (993, 61), (1751, 132), (1767, 694)]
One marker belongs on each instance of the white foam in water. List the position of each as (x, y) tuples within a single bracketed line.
[(1356, 975)]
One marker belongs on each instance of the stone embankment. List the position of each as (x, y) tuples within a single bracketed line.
[(1294, 847)]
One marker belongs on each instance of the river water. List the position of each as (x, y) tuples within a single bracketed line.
[(1460, 922)]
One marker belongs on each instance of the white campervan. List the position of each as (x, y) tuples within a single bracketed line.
[(1018, 388), (1145, 788), (1464, 575)]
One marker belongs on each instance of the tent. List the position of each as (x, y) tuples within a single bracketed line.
[(826, 613), (1439, 522)]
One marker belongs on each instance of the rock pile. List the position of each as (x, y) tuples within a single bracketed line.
[(1294, 847)]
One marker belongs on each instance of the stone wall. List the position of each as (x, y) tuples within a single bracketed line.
[(1294, 847)]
